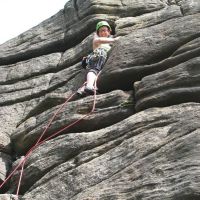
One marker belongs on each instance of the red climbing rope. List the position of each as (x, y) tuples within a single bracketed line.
[(34, 146), (20, 178), (40, 141)]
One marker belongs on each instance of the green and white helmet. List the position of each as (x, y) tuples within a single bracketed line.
[(102, 23)]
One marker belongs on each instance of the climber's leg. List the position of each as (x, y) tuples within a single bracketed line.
[(91, 78)]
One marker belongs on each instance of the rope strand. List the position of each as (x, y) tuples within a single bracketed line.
[(40, 141)]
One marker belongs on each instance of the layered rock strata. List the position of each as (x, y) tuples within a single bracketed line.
[(142, 139)]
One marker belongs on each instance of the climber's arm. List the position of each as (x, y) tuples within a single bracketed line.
[(103, 40)]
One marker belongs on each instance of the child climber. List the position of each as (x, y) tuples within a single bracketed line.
[(95, 61)]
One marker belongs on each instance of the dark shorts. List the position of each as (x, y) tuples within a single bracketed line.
[(96, 60)]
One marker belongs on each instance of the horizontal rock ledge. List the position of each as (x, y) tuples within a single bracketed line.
[(110, 108), (124, 159)]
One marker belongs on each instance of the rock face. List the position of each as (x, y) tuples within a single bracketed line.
[(138, 138)]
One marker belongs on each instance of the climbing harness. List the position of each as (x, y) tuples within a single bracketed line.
[(96, 59), (41, 141)]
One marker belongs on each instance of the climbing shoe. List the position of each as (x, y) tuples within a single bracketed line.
[(89, 90), (81, 92)]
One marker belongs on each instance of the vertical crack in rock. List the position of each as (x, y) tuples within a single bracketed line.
[(76, 9)]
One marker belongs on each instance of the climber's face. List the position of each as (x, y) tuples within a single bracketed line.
[(104, 31)]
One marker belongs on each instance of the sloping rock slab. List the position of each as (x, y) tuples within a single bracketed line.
[(36, 86), (67, 27), (83, 8), (47, 37), (173, 86), (29, 68), (145, 54), (189, 7), (126, 25), (81, 16), (110, 108), (153, 154)]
